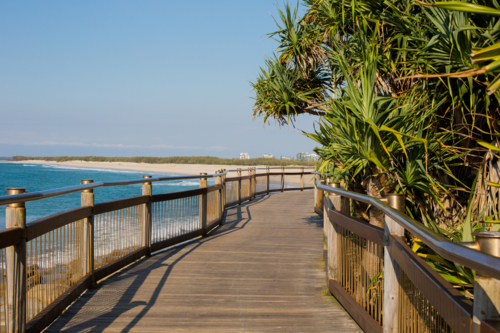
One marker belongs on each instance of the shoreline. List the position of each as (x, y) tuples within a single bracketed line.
[(180, 169)]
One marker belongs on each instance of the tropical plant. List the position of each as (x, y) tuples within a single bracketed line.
[(406, 94)]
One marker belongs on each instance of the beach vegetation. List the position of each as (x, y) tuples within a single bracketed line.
[(406, 94), (172, 160)]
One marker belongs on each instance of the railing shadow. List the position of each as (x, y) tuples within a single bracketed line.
[(314, 220), (135, 275)]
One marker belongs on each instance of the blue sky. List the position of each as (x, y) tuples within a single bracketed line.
[(129, 78)]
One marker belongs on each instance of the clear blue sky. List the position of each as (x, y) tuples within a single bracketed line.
[(128, 78)]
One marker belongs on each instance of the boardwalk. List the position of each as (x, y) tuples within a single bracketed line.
[(262, 271)]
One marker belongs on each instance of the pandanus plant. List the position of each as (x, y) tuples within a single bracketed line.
[(408, 100)]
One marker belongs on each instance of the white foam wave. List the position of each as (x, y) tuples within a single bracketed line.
[(64, 167), (29, 164)]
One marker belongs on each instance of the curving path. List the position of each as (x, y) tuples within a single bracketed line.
[(262, 271)]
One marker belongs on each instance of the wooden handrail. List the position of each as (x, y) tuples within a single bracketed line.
[(52, 222), (80, 222)]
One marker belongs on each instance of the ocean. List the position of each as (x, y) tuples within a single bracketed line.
[(36, 177)]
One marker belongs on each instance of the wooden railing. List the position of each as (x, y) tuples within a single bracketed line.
[(386, 287), (48, 263)]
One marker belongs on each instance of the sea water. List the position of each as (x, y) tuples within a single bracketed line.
[(37, 177)]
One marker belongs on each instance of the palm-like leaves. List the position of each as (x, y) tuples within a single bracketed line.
[(407, 95), (282, 92)]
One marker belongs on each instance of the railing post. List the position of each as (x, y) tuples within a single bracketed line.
[(239, 186), (203, 206), (87, 200), (218, 181), (254, 183), (267, 184), (250, 182), (224, 192), (147, 222), (16, 268), (326, 219), (302, 180), (283, 179), (318, 194), (342, 205), (486, 304), (391, 268)]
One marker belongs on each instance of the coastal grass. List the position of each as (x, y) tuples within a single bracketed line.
[(172, 160)]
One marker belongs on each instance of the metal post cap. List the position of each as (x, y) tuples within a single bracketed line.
[(87, 181), (14, 191), (396, 201), (147, 177), (489, 242), (334, 184)]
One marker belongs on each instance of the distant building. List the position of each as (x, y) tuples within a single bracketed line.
[(307, 157), (286, 158), (313, 157), (267, 156), (301, 156), (244, 156)]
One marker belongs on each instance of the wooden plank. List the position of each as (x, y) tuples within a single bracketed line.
[(364, 320), (213, 188), (116, 265), (293, 189), (289, 173), (232, 179), (15, 275), (49, 223), (10, 236), (54, 309), (120, 204), (213, 224), (455, 309), (176, 240), (257, 272), (391, 296), (490, 326), (178, 195), (230, 204), (363, 229)]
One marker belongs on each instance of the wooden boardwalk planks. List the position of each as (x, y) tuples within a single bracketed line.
[(262, 271)]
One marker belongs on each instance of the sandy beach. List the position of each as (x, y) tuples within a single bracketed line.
[(183, 169)]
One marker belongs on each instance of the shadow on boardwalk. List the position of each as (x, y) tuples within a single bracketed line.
[(260, 271)]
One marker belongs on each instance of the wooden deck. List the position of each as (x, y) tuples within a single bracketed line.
[(262, 271)]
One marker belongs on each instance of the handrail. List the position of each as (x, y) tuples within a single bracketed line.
[(31, 196), (234, 170), (94, 254), (455, 252)]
